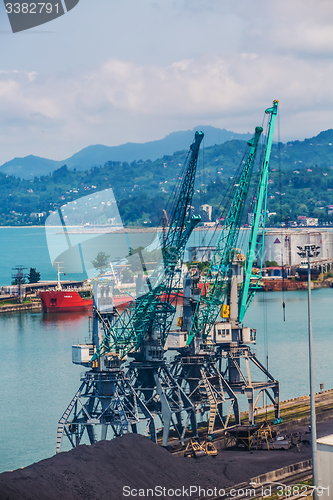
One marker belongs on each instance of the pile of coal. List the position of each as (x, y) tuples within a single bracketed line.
[(133, 466)]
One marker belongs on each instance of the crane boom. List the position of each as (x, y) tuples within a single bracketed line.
[(208, 305), (153, 312), (247, 292)]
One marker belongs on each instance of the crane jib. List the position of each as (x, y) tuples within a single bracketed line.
[(206, 311), (152, 311), (246, 294)]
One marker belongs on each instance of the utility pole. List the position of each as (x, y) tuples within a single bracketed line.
[(19, 278), (311, 251)]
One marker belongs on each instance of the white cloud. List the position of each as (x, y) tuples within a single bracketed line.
[(298, 27), (231, 92), (203, 62)]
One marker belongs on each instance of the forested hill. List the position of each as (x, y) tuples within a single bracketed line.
[(97, 155), (302, 171)]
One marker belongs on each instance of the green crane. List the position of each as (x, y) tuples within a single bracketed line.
[(151, 314), (248, 289), (208, 305), (218, 277)]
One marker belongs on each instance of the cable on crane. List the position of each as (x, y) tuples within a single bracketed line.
[(265, 333), (281, 220), (244, 235), (224, 204)]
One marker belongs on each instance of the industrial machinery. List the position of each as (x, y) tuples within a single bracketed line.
[(236, 349), (209, 364), (108, 396), (105, 397), (129, 386), (195, 367)]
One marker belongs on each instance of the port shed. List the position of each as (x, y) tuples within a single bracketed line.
[(325, 464)]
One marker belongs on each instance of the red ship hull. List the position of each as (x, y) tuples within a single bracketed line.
[(71, 301), (176, 299), (64, 301)]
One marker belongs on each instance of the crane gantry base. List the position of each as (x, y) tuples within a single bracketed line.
[(164, 398), (106, 400), (242, 383), (206, 388)]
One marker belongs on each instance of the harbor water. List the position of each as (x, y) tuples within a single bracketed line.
[(28, 247), (38, 378)]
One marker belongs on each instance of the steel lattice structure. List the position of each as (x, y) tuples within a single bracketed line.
[(154, 311), (111, 398)]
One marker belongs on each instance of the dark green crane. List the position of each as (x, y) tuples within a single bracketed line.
[(152, 313)]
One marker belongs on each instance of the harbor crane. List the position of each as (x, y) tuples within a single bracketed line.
[(195, 366), (234, 348), (209, 341), (108, 396)]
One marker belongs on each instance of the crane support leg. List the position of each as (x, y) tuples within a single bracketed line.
[(104, 400), (206, 388), (164, 398), (244, 382)]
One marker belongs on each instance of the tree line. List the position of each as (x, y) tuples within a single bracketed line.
[(300, 180)]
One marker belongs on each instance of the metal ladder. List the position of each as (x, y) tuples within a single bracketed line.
[(212, 402), (63, 419), (122, 414)]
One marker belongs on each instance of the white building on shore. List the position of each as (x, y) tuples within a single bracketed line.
[(280, 245)]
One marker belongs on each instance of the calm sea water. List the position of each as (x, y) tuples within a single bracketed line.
[(24, 246), (28, 247), (38, 378)]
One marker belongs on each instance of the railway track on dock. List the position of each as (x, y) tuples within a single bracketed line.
[(293, 486)]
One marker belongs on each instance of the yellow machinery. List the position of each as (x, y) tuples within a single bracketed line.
[(196, 449)]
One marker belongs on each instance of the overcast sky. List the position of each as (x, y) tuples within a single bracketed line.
[(135, 70)]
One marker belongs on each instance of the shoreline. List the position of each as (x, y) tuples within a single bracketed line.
[(273, 287), (18, 308)]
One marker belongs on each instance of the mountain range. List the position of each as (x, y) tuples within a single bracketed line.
[(300, 180), (97, 155), (317, 150)]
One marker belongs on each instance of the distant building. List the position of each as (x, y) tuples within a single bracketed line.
[(281, 245), (312, 221), (250, 218), (302, 220), (329, 209), (251, 215), (307, 221), (34, 215), (207, 212)]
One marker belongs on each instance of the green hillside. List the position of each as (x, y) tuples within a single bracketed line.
[(301, 183)]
